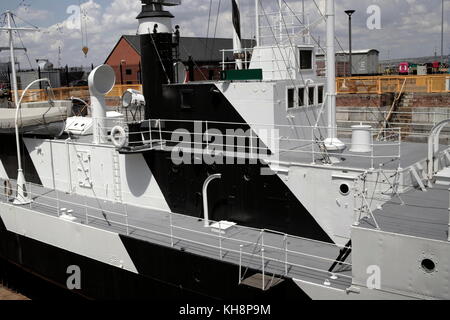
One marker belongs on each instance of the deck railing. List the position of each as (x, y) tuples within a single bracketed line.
[(261, 252), (291, 143)]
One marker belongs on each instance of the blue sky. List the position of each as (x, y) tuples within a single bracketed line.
[(410, 28)]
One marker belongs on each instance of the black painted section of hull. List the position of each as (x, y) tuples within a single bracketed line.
[(194, 101), (8, 156), (157, 67), (165, 273), (242, 195)]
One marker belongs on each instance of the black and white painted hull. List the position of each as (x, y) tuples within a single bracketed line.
[(150, 272)]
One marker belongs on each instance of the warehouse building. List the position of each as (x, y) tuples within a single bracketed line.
[(364, 63)]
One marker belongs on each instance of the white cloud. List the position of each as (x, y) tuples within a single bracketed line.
[(409, 27)]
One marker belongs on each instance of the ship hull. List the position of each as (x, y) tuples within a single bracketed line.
[(163, 273)]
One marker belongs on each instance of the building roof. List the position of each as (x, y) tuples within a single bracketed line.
[(362, 51), (201, 49)]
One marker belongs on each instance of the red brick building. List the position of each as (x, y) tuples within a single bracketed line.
[(125, 57)]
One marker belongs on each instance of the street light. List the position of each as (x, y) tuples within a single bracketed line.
[(350, 13)]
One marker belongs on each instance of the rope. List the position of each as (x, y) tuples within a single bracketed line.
[(207, 29), (23, 46), (215, 29)]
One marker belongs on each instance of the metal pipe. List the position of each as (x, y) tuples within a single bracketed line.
[(205, 196), (22, 197), (257, 31), (101, 81), (350, 13), (442, 34), (448, 235), (331, 69)]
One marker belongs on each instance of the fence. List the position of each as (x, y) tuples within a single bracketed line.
[(67, 92), (390, 84)]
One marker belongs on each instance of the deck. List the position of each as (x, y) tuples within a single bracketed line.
[(424, 214)]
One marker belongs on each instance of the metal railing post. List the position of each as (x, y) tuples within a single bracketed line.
[(160, 135), (448, 236), (263, 270), (251, 143), (171, 229), (150, 133), (285, 255), (372, 154), (207, 136), (57, 201), (29, 193), (126, 219), (240, 263), (220, 240), (86, 210), (312, 146), (355, 202)]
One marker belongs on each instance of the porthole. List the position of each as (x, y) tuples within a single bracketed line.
[(344, 189), (428, 265)]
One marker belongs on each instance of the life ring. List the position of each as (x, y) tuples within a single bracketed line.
[(118, 137), (8, 188)]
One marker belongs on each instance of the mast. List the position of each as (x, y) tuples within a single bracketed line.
[(237, 37), (13, 63), (22, 197), (257, 31), (332, 143)]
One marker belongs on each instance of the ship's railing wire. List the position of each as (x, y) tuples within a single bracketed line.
[(63, 205)]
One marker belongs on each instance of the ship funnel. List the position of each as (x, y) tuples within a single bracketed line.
[(101, 82)]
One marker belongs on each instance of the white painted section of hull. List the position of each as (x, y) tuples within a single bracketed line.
[(100, 245), (3, 174), (318, 190), (399, 258), (314, 187), (322, 292), (88, 170)]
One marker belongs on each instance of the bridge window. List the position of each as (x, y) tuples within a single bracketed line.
[(306, 58), (311, 96), (319, 94), (301, 97), (291, 98)]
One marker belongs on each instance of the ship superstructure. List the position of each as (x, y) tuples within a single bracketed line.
[(248, 178)]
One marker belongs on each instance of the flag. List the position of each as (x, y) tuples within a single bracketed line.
[(236, 19)]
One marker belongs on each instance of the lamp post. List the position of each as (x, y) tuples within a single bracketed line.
[(350, 13), (442, 34)]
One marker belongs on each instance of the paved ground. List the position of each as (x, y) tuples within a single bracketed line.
[(6, 294)]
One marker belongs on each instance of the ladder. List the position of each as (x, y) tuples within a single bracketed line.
[(116, 177), (324, 152)]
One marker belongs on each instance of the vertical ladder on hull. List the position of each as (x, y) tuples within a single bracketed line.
[(116, 177)]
